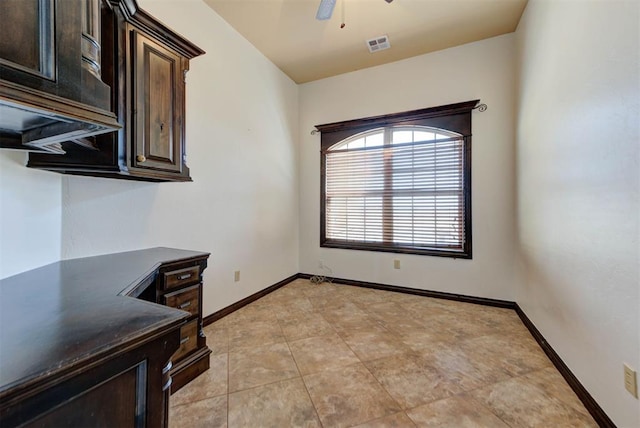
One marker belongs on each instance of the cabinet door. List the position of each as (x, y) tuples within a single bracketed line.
[(158, 86), (28, 43), (117, 402), (54, 47)]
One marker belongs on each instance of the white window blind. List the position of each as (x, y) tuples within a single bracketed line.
[(397, 186)]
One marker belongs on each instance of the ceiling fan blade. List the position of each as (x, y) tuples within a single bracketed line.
[(325, 10)]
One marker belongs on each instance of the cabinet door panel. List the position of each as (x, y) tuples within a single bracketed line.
[(159, 108), (119, 401), (27, 42), (157, 138)]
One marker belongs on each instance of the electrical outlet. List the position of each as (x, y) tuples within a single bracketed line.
[(630, 381), (236, 276), (396, 264)]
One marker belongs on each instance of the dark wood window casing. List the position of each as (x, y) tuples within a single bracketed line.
[(394, 224)]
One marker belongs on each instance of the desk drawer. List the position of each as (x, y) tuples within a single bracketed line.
[(187, 299), (188, 339), (181, 277)]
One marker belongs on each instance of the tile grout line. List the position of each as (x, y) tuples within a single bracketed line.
[(369, 371), (315, 409), (306, 388)]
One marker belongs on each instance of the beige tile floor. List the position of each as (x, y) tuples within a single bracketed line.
[(332, 355)]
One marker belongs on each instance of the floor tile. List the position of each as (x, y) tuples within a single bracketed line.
[(424, 339), (348, 396), (303, 325), (315, 354), (258, 310), (398, 420), (291, 291), (465, 326), (455, 412), (217, 338), (324, 289), (261, 365), (280, 404), (412, 381), (551, 382), (427, 305), (522, 404), (399, 297), (292, 308), (351, 322), (385, 309), (329, 302), (517, 357), (368, 297), (209, 384), (374, 345), (248, 334), (394, 317), (209, 413), (449, 358)]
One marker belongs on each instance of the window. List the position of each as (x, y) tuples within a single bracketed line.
[(399, 183)]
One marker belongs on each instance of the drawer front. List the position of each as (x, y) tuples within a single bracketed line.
[(187, 299), (188, 339), (180, 277)]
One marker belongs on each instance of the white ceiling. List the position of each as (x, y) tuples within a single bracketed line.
[(306, 49)]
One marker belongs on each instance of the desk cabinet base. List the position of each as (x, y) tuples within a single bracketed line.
[(190, 368)]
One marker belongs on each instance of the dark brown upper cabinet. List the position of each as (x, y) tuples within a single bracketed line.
[(146, 64), (51, 88), (157, 102)]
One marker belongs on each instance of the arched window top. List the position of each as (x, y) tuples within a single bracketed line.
[(371, 138), (393, 135)]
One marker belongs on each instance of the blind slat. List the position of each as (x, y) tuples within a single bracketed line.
[(411, 193)]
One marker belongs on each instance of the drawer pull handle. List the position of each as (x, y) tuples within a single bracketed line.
[(185, 276), (141, 158), (185, 305), (167, 367), (185, 340)]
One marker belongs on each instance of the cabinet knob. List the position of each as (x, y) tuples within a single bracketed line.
[(141, 158)]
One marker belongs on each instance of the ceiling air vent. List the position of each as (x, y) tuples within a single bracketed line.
[(378, 44)]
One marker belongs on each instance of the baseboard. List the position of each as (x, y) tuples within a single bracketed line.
[(427, 293), (588, 401), (244, 302)]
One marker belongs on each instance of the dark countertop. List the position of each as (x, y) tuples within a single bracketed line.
[(73, 311)]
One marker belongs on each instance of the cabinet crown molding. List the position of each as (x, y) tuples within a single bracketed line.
[(138, 17)]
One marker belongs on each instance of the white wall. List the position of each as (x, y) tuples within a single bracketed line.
[(483, 70), (578, 162), (29, 215), (242, 122)]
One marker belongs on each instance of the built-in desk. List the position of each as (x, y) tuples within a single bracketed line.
[(76, 347)]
